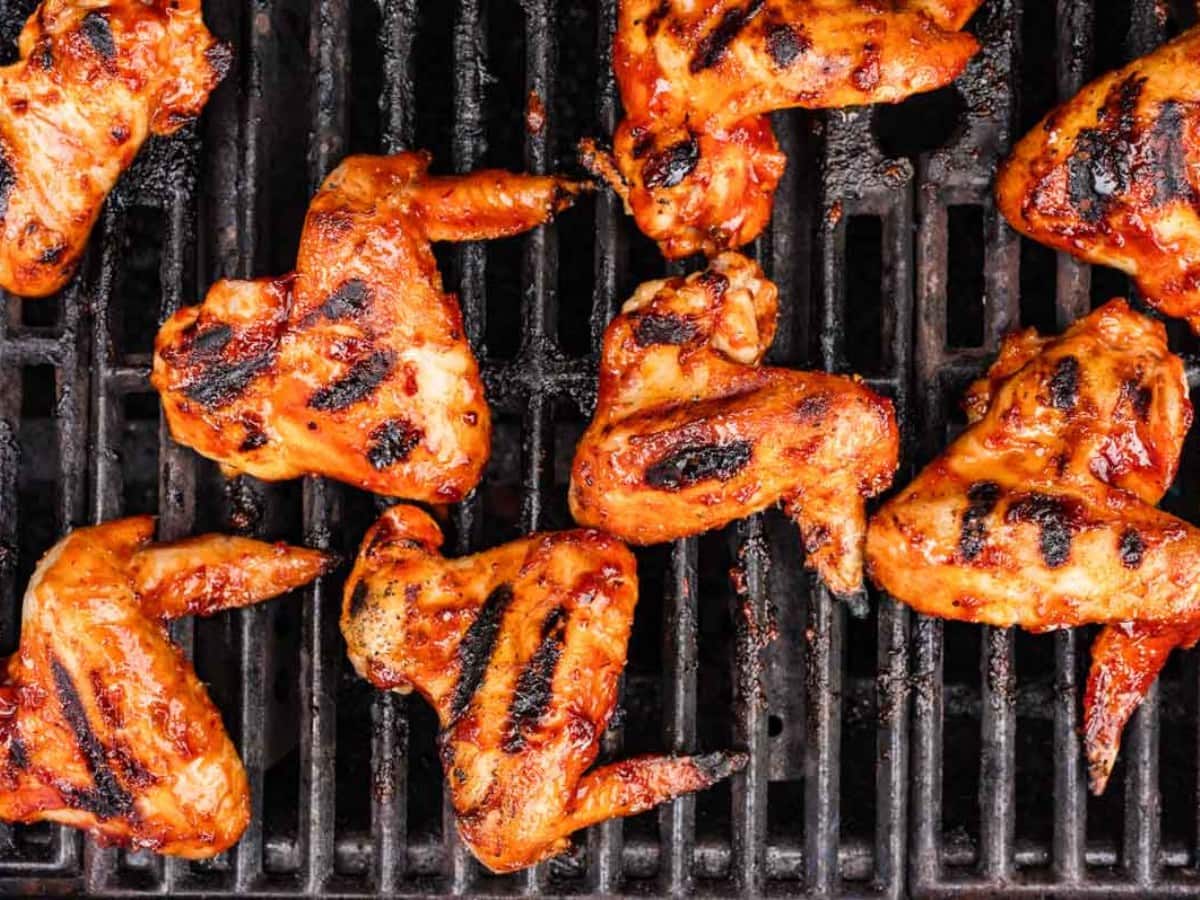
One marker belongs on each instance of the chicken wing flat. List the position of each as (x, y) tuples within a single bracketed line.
[(1041, 513), (1111, 176), (94, 79), (690, 432), (695, 158), (355, 366), (520, 650), (103, 723)]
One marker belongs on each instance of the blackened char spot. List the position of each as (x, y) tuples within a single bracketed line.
[(358, 599), (51, 255), (981, 501), (657, 328), (716, 283), (351, 298), (99, 34), (1053, 518), (715, 766), (1064, 384), (254, 439), (699, 462), (669, 167), (785, 43), (655, 19), (106, 798), (211, 341), (532, 694), (1164, 159), (356, 385), (17, 754), (1099, 167), (812, 408), (222, 382), (1132, 548), (43, 55), (712, 47), (475, 651), (393, 442)]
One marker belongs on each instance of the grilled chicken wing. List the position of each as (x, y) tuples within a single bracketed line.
[(1113, 176), (695, 158), (103, 723), (356, 365), (93, 81), (520, 650), (690, 432), (1041, 513)]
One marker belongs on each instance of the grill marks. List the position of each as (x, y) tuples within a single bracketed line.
[(658, 328), (711, 49), (99, 34), (356, 385), (1056, 520), (221, 382), (475, 651), (393, 442), (1064, 384), (785, 44), (982, 497), (348, 301), (106, 799), (534, 689), (699, 462), (1118, 155)]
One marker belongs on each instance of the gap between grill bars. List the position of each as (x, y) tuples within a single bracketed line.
[(887, 755)]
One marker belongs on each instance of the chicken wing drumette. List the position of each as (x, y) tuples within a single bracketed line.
[(520, 650), (355, 366), (695, 158), (1113, 176), (1041, 514), (103, 723), (93, 81), (690, 432)]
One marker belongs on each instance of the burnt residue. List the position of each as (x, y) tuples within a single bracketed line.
[(358, 599), (356, 385), (99, 34), (982, 497), (392, 442), (220, 382), (813, 408), (786, 43), (1139, 396), (712, 47), (1132, 548), (106, 798), (716, 766), (699, 462), (659, 328), (475, 651), (531, 696), (1054, 518), (350, 299), (255, 438), (220, 59), (652, 22), (714, 283), (1064, 384), (669, 167), (52, 254), (211, 341), (18, 756)]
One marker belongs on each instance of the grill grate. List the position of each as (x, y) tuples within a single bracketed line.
[(887, 754)]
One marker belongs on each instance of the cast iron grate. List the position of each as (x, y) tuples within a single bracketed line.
[(888, 754)]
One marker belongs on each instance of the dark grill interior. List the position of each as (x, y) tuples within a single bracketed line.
[(888, 753)]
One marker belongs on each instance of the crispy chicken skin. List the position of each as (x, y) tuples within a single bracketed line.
[(690, 432), (355, 366), (103, 723), (695, 158), (92, 82), (1113, 176), (520, 650), (1041, 514)]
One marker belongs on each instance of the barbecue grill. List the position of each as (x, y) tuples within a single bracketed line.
[(888, 754)]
